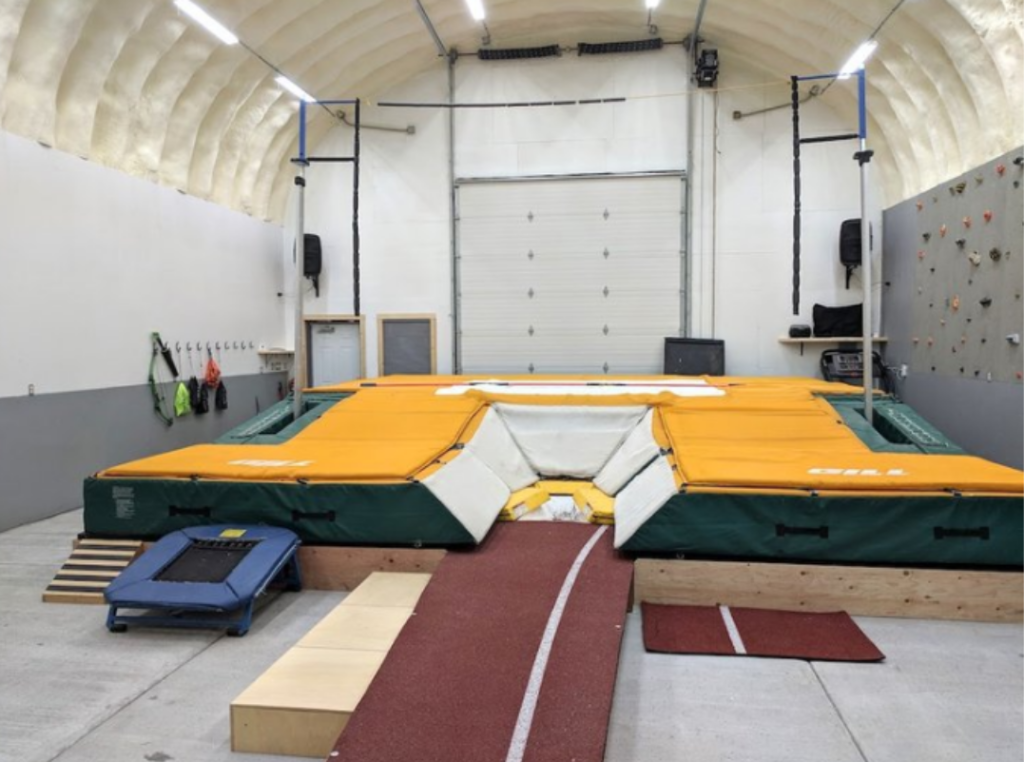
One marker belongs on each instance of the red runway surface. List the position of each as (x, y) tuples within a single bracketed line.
[(453, 686), (756, 632)]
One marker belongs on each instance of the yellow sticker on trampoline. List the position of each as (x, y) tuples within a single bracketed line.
[(232, 533)]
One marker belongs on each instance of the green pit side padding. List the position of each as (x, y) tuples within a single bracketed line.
[(341, 514), (954, 530), (896, 427), (275, 425)]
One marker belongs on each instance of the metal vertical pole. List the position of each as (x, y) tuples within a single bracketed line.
[(865, 246), (795, 100), (299, 361), (453, 219), (355, 216)]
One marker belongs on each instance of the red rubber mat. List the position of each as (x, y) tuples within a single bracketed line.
[(756, 632), (455, 684)]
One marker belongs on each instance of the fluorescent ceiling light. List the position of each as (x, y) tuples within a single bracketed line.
[(652, 4), (207, 21), (476, 9), (294, 89), (858, 59)]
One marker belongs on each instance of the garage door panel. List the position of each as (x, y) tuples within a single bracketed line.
[(642, 233), (638, 195), (565, 275), (601, 289)]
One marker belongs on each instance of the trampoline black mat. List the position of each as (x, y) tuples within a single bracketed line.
[(206, 561)]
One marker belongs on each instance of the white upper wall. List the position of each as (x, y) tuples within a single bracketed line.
[(646, 133), (743, 221), (93, 260), (741, 180)]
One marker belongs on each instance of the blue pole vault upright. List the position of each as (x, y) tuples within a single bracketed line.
[(863, 158), (302, 161)]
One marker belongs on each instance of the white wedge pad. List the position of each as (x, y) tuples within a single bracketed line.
[(472, 492), (641, 499), (638, 449), (493, 444), (572, 441)]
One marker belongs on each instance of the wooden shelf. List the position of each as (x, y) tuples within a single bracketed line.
[(830, 340)]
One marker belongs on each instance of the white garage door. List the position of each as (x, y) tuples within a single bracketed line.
[(569, 276)]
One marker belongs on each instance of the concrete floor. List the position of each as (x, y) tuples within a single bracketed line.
[(71, 692)]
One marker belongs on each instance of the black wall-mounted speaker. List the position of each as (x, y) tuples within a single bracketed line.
[(313, 259), (849, 243)]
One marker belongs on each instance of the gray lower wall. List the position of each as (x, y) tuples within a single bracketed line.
[(984, 417), (51, 442)]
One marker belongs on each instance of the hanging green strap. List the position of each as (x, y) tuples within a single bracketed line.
[(159, 402)]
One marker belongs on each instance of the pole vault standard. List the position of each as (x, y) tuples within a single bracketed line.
[(302, 161), (863, 158)]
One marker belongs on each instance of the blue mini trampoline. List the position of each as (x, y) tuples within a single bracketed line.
[(191, 576)]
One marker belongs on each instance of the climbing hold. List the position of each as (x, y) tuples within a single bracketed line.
[(967, 222), (960, 186), (931, 269), (935, 199), (1020, 375), (920, 254), (986, 302), (926, 236), (916, 340), (963, 339), (978, 179), (975, 258), (920, 205), (920, 290), (977, 373), (988, 215), (995, 254), (954, 349), (984, 341), (961, 370), (961, 242), (942, 231), (955, 304), (930, 341), (1000, 169)]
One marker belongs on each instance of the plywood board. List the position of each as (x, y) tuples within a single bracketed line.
[(292, 732), (331, 680), (912, 593), (389, 589), (335, 568), (360, 628)]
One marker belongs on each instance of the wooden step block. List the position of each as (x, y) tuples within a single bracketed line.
[(388, 589), (90, 568), (363, 628), (302, 703)]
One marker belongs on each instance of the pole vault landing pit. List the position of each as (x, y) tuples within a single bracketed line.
[(725, 467)]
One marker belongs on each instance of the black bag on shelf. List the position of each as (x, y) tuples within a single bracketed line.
[(838, 321)]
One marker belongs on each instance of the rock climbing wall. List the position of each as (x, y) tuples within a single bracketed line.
[(953, 305), (967, 311)]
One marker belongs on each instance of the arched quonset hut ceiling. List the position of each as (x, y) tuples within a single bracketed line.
[(134, 84)]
